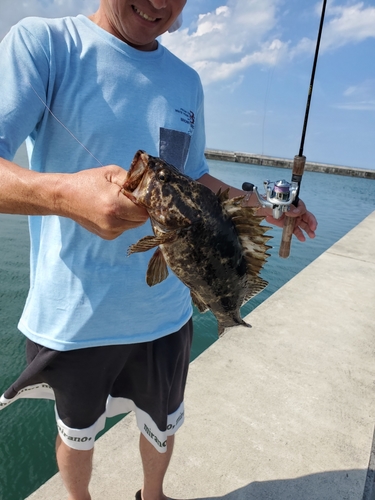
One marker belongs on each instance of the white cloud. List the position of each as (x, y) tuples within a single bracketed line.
[(233, 85), (357, 106), (241, 33), (359, 97), (364, 89), (348, 24), (12, 12), (344, 24), (229, 39)]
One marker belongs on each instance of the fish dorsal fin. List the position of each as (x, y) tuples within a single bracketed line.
[(157, 270), (223, 195), (251, 234)]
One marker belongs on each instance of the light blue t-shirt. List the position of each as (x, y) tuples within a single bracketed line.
[(85, 291)]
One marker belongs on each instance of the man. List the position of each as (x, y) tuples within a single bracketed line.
[(88, 92)]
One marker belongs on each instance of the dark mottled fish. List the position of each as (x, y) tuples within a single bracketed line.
[(212, 243)]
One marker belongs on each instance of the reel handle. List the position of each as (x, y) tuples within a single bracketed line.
[(248, 186), (289, 222)]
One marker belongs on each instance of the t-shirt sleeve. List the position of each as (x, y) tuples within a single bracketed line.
[(24, 70)]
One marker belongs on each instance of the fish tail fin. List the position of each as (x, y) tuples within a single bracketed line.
[(223, 326)]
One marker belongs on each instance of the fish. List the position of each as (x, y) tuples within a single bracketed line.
[(214, 244)]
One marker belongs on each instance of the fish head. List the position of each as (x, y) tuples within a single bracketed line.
[(166, 193)]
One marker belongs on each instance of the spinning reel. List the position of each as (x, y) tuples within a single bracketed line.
[(279, 195)]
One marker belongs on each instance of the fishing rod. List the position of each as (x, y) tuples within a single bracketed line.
[(300, 159), (281, 194)]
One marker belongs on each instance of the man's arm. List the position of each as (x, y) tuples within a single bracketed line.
[(90, 197), (305, 220)]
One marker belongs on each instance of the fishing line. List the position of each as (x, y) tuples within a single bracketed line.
[(270, 75), (65, 127)]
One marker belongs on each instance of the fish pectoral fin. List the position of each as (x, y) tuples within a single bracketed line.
[(198, 302), (149, 242), (157, 270), (144, 244)]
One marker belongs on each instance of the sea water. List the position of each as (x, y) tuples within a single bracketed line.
[(28, 427)]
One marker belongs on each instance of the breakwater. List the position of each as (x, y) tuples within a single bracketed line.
[(270, 161)]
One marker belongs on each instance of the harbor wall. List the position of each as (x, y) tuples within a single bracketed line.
[(270, 161)]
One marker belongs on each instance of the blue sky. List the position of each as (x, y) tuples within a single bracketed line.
[(255, 59)]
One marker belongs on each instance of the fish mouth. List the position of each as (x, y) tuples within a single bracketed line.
[(143, 189), (136, 181), (138, 168)]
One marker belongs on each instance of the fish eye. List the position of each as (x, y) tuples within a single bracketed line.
[(162, 176)]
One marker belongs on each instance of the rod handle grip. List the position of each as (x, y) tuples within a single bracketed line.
[(286, 238), (289, 222)]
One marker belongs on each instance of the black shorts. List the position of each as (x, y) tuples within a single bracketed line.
[(92, 384)]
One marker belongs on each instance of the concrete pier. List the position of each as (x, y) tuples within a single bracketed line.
[(271, 161), (282, 411)]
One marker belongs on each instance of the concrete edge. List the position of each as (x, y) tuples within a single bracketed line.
[(369, 490)]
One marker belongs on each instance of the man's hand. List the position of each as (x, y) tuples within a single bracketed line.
[(93, 198), (305, 221), (90, 197)]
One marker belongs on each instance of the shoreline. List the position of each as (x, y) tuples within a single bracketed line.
[(270, 161)]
